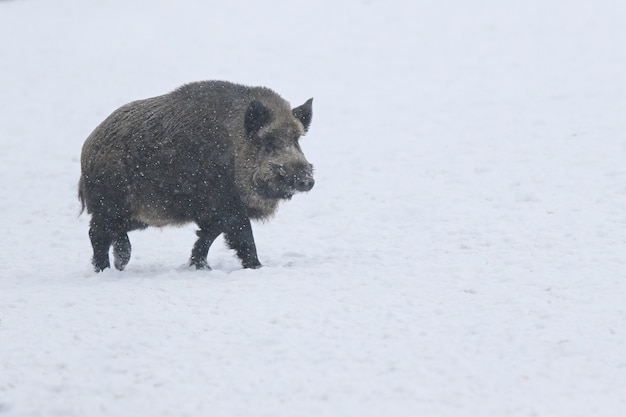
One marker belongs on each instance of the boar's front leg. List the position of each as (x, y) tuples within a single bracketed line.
[(239, 237), (121, 251), (206, 236)]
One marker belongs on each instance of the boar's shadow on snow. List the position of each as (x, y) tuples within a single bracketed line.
[(215, 153)]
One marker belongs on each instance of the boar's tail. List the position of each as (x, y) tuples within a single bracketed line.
[(81, 197)]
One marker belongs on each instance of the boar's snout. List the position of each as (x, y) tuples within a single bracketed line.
[(298, 178), (302, 178), (304, 182)]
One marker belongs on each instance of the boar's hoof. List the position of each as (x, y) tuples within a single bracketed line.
[(100, 265), (252, 264), (200, 264)]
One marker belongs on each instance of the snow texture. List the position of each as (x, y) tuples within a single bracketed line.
[(462, 252)]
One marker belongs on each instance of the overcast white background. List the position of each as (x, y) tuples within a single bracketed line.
[(461, 254)]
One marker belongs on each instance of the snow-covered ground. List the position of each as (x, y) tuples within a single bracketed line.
[(462, 252)]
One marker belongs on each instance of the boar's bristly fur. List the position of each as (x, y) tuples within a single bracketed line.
[(211, 152)]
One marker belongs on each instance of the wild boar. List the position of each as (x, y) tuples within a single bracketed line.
[(211, 152)]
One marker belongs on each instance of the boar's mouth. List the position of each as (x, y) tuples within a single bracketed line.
[(274, 191), (283, 183)]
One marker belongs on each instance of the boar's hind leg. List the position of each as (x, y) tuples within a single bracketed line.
[(206, 236), (105, 232), (239, 237), (121, 244), (101, 240)]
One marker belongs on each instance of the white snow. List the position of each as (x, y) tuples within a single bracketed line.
[(462, 252)]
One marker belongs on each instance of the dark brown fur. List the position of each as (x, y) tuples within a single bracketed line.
[(212, 152)]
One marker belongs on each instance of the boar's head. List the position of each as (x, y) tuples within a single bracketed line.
[(272, 166)]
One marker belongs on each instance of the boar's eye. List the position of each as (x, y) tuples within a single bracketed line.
[(269, 143)]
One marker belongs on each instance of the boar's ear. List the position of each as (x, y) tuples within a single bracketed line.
[(304, 113), (257, 116)]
